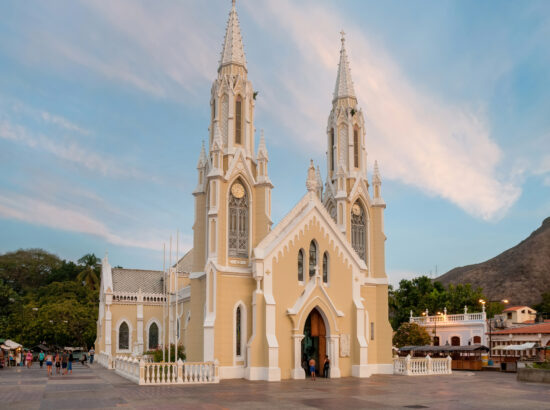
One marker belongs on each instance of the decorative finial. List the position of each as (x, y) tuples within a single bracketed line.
[(342, 34), (311, 182), (233, 3)]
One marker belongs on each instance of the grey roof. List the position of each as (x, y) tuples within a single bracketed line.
[(132, 280), (185, 264), (446, 348)]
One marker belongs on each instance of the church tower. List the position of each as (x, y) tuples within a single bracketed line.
[(233, 196), (347, 189)]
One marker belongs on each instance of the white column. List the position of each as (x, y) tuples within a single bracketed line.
[(298, 372), (334, 347)]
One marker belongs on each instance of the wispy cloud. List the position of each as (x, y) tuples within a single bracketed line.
[(62, 122), (68, 150), (435, 145)]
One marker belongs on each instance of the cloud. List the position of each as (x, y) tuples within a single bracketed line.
[(62, 122), (37, 211), (419, 138), (68, 150)]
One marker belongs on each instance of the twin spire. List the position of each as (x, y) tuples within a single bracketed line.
[(344, 84), (233, 50)]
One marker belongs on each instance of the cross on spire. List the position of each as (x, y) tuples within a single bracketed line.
[(343, 36)]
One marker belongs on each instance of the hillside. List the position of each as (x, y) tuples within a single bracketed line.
[(520, 274)]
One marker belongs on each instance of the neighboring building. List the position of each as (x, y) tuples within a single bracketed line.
[(455, 330), (256, 299), (538, 333), (517, 314)]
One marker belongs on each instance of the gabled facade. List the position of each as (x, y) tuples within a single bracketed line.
[(263, 301)]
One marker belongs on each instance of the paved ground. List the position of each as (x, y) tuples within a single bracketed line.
[(96, 387)]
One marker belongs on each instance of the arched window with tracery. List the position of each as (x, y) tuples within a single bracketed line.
[(238, 221), (359, 230), (123, 336), (312, 258), (153, 336), (301, 265), (325, 267), (238, 337)]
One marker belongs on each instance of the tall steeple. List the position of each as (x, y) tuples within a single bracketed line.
[(344, 84), (233, 50)]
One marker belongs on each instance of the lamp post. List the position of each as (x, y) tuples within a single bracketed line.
[(435, 324), (489, 321)]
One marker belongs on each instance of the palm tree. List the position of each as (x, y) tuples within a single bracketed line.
[(90, 275)]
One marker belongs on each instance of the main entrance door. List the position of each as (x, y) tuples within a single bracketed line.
[(314, 344)]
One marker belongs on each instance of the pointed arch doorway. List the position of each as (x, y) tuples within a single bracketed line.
[(314, 342)]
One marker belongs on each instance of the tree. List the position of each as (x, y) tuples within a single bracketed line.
[(411, 334), (543, 307), (27, 268), (422, 293)]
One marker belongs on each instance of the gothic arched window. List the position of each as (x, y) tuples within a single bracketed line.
[(355, 148), (238, 221), (301, 265), (312, 258), (325, 267), (153, 336), (238, 331), (238, 120), (359, 230), (123, 336)]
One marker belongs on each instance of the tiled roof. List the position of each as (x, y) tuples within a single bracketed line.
[(185, 264), (514, 308), (537, 328), (132, 280)]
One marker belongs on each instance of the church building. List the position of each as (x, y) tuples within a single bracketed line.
[(258, 299)]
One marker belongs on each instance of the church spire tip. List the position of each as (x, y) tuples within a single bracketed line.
[(344, 84), (233, 50)]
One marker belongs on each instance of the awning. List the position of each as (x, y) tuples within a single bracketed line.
[(445, 348), (11, 344), (524, 346)]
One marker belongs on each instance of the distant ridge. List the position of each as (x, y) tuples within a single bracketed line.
[(520, 274)]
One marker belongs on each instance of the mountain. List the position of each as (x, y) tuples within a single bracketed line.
[(520, 274)]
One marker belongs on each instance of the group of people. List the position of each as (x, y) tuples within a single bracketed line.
[(62, 361), (313, 370)]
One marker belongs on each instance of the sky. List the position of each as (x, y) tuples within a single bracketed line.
[(104, 106)]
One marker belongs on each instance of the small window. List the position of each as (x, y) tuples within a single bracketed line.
[(238, 120), (312, 258), (301, 265), (477, 340), (238, 332), (123, 336), (331, 147), (455, 341), (355, 148), (436, 340), (371, 330), (325, 267)]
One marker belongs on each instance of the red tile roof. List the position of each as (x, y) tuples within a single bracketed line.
[(514, 308), (537, 328)]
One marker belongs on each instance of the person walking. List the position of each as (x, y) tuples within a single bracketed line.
[(49, 362), (312, 368), (29, 359), (83, 359), (41, 358), (92, 353), (326, 367), (64, 361), (57, 363), (70, 364)]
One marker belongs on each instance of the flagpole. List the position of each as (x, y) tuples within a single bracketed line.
[(164, 304), (176, 293), (170, 322)]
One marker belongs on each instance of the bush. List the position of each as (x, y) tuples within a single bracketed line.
[(156, 355), (411, 334)]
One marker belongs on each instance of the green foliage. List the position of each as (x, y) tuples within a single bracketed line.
[(156, 355), (544, 306), (422, 293), (411, 334), (42, 298)]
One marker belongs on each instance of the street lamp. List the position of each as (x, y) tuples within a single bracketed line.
[(435, 324), (489, 321)]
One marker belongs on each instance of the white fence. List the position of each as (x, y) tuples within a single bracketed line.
[(104, 359), (421, 366), (170, 373)]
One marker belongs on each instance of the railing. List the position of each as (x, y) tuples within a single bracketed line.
[(463, 317), (143, 373), (421, 366), (104, 360)]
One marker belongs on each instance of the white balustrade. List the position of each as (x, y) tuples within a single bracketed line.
[(421, 366), (462, 317)]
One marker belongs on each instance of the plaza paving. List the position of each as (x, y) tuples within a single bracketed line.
[(96, 387)]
